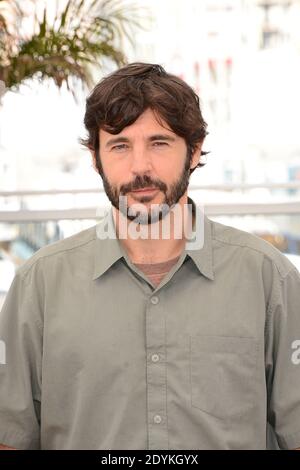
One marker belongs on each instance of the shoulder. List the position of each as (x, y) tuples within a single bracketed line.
[(226, 236), (73, 245)]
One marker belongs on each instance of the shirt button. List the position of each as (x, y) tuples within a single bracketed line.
[(154, 300), (155, 357), (157, 419)]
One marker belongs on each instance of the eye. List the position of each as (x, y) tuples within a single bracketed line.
[(119, 147), (160, 144)]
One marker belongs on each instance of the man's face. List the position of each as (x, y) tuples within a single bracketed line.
[(145, 155)]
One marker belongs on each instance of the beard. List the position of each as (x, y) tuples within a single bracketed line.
[(157, 212)]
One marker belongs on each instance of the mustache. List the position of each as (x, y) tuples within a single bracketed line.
[(142, 183)]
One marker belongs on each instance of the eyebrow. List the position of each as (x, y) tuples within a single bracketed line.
[(119, 140)]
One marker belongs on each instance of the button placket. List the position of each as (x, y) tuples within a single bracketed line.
[(156, 374)]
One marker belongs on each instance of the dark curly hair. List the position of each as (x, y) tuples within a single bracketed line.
[(121, 97)]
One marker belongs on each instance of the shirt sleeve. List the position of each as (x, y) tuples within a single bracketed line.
[(283, 358), (20, 365)]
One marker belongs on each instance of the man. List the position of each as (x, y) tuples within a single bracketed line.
[(120, 339)]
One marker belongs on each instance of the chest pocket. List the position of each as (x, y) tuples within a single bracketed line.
[(223, 374)]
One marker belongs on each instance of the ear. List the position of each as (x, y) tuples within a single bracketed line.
[(195, 159)]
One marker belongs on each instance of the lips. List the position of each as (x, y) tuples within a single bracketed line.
[(143, 190)]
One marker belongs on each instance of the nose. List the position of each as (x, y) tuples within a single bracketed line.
[(141, 162)]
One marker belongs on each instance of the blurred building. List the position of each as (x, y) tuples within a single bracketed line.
[(243, 58)]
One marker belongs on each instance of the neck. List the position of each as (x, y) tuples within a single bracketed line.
[(157, 242)]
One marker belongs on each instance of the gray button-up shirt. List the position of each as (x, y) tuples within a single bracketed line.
[(93, 356)]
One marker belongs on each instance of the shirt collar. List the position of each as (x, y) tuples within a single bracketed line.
[(108, 249), (202, 256)]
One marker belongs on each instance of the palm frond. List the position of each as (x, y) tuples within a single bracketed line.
[(64, 15), (69, 47)]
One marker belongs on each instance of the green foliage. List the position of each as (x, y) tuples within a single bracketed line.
[(66, 47)]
